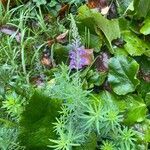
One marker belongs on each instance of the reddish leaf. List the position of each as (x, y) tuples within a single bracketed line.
[(97, 3), (104, 6), (102, 62)]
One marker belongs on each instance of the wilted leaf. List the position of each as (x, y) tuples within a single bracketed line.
[(97, 3), (100, 5), (144, 67), (62, 37), (37, 80), (144, 64), (46, 60), (63, 10), (101, 62), (122, 74), (10, 31)]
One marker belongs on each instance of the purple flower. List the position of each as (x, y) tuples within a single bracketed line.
[(80, 57)]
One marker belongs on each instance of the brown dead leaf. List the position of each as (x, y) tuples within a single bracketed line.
[(63, 10), (144, 76), (106, 7), (37, 80), (100, 4), (11, 31), (46, 60), (101, 62), (106, 86), (50, 42), (62, 37)]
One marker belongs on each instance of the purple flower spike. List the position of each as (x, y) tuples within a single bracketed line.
[(80, 57)]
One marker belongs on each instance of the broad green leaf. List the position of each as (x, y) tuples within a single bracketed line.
[(124, 5), (128, 105), (113, 98), (95, 43), (97, 78), (142, 7), (110, 28), (122, 74), (92, 78), (120, 51), (146, 27), (136, 110), (134, 45), (124, 24), (36, 123)]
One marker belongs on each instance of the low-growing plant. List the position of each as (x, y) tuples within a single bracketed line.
[(74, 78)]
